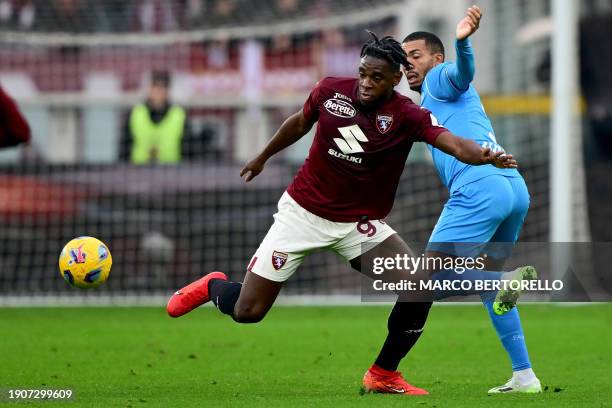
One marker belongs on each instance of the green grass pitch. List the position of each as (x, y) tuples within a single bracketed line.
[(298, 356)]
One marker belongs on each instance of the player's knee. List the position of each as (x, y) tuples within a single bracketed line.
[(249, 313)]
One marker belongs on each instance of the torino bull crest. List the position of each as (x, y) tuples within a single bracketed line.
[(279, 259), (383, 123)]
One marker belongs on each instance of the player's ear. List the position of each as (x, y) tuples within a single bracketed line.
[(397, 77), (438, 58)]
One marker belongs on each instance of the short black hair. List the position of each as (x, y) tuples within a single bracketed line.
[(432, 41), (160, 77), (386, 48)]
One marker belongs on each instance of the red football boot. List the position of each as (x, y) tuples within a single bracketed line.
[(191, 296), (379, 380)]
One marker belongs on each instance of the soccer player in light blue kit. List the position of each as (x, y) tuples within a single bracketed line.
[(486, 204)]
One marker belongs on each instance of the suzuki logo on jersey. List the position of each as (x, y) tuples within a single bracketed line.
[(346, 157), (352, 135), (383, 123), (340, 108)]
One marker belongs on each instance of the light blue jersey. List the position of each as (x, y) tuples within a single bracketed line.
[(447, 92)]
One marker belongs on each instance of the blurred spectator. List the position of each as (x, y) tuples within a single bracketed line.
[(336, 58), (113, 15), (14, 128), (6, 13), (146, 16), (282, 43), (27, 15), (218, 54), (156, 129), (287, 8), (194, 13), (286, 51), (17, 14), (64, 15), (319, 9), (223, 12), (156, 16)]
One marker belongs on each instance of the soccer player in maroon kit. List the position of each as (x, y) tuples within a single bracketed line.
[(14, 128), (341, 194)]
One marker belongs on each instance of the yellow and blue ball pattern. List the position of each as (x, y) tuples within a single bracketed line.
[(85, 262)]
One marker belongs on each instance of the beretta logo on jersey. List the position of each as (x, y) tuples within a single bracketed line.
[(279, 259), (340, 108), (383, 123)]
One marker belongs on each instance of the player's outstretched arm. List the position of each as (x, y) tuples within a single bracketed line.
[(456, 78), (470, 152), (292, 130)]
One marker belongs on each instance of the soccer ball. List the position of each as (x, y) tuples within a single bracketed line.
[(85, 262)]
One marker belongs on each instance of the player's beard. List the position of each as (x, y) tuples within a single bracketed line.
[(417, 88), (375, 103)]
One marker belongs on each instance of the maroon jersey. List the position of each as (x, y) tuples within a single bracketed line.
[(358, 154), (14, 128)]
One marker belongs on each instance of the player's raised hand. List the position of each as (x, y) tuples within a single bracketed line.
[(499, 159), (252, 169), (469, 24)]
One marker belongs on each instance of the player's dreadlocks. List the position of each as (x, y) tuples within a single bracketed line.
[(385, 48)]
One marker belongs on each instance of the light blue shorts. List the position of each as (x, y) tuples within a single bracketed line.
[(488, 210)]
